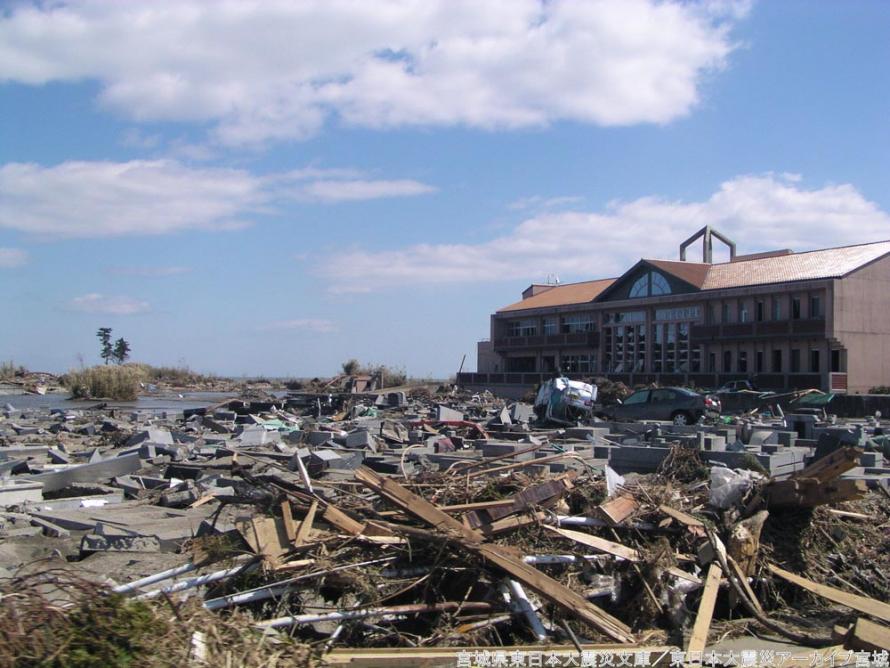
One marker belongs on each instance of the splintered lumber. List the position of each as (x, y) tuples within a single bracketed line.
[(810, 492), (863, 604), (337, 518), (287, 516), (868, 636), (503, 558), (681, 517), (544, 494), (306, 525), (744, 541), (266, 536), (599, 544), (616, 510), (699, 637), (831, 466), (511, 523)]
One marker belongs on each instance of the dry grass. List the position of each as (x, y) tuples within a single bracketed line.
[(54, 619), (120, 383)]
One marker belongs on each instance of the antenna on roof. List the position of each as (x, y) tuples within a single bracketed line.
[(552, 279)]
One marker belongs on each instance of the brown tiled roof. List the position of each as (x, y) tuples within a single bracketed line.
[(828, 263), (693, 273), (569, 293)]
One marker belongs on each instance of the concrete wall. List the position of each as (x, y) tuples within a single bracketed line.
[(861, 322)]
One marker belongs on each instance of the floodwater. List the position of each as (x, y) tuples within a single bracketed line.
[(159, 402)]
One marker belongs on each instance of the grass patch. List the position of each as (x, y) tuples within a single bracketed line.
[(91, 626), (121, 383), (9, 370)]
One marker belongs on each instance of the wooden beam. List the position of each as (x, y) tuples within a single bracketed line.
[(863, 604), (287, 515), (306, 525), (868, 636), (616, 510), (810, 492), (504, 558), (831, 466), (683, 518), (699, 637), (599, 544)]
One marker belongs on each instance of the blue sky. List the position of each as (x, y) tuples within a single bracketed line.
[(274, 187)]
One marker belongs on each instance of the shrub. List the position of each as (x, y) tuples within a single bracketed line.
[(121, 383), (8, 370)]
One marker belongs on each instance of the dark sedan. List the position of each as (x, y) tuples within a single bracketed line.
[(677, 404)]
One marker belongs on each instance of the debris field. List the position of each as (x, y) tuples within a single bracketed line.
[(408, 527)]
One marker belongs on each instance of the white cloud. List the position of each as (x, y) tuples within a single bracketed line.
[(279, 69), (12, 257), (760, 212), (109, 305), (537, 202), (315, 325), (146, 197), (149, 272), (351, 190)]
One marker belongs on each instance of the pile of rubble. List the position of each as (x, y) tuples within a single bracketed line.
[(367, 529)]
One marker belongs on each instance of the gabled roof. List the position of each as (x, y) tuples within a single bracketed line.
[(559, 295), (693, 273), (809, 265)]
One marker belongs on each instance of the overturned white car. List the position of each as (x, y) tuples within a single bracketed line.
[(566, 401)]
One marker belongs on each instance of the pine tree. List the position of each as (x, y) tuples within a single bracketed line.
[(104, 335), (121, 351)]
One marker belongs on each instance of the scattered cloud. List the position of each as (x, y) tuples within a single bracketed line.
[(10, 258), (760, 212), (151, 197), (110, 305), (536, 202), (149, 272), (289, 67), (315, 325)]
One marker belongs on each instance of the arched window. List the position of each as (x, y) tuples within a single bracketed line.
[(659, 284), (651, 283), (641, 287)]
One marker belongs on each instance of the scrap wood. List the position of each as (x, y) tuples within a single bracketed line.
[(867, 636), (599, 544), (831, 466), (699, 637), (863, 604), (266, 536), (544, 494), (511, 523), (744, 541), (616, 510), (306, 525), (810, 492), (500, 556), (522, 465), (681, 517)]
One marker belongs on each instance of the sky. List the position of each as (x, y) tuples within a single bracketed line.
[(271, 187)]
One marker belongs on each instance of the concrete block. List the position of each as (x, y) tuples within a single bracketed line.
[(446, 414), (156, 436), (871, 459), (96, 543), (14, 492), (103, 470)]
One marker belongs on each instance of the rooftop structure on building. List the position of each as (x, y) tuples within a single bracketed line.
[(784, 319)]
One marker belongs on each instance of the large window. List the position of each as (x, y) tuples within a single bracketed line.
[(777, 361), (651, 283), (522, 328), (551, 326), (795, 308), (814, 361), (795, 360), (578, 363), (577, 323), (815, 306)]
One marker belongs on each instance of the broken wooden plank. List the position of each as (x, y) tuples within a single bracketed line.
[(287, 516), (306, 525), (868, 636), (616, 510), (743, 581), (504, 558), (831, 466), (810, 492), (511, 523), (266, 536), (599, 544), (699, 637), (544, 495), (863, 604), (337, 518), (681, 517)]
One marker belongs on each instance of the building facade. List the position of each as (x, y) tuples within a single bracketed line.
[(786, 320)]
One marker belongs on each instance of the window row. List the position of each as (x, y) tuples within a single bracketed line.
[(739, 361), (780, 308)]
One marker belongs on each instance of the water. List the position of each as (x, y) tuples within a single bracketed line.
[(160, 402)]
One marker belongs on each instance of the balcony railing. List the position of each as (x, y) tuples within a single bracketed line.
[(758, 330), (549, 341)]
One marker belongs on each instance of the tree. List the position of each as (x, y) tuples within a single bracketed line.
[(351, 367), (104, 335), (121, 351)]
